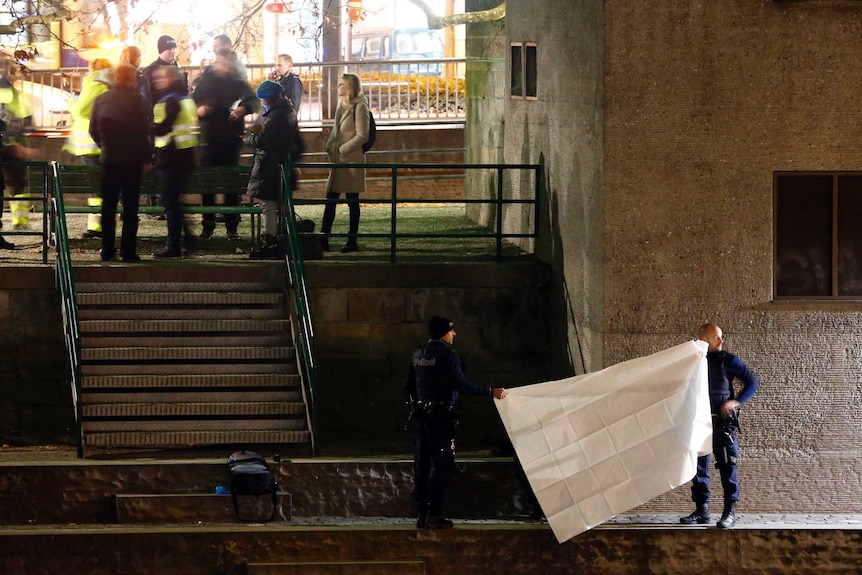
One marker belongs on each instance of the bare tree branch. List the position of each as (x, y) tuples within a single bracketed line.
[(60, 12), (436, 22)]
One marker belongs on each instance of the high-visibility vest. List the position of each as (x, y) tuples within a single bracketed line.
[(79, 142), (183, 133), (12, 101)]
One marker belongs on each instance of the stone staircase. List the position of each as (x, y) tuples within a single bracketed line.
[(208, 360)]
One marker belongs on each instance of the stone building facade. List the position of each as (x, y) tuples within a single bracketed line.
[(661, 126)]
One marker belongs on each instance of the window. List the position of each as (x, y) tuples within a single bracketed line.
[(818, 239), (524, 71)]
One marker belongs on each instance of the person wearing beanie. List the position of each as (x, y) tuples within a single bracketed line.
[(167, 47), (275, 139), (434, 380), (222, 127)]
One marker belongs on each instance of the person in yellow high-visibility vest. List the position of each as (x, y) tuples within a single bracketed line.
[(79, 143), (175, 119), (14, 112)]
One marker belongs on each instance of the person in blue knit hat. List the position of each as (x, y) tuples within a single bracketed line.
[(275, 139)]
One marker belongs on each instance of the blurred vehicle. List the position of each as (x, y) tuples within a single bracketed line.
[(401, 44)]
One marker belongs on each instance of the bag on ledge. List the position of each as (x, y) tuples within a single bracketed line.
[(250, 475)]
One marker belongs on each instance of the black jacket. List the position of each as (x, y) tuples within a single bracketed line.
[(275, 143), (118, 125), (220, 93)]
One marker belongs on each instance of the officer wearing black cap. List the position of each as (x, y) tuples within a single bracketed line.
[(435, 378), (167, 47)]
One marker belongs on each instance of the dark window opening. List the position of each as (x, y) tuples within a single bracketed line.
[(818, 239)]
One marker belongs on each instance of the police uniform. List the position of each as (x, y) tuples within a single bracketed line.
[(723, 368), (435, 378)]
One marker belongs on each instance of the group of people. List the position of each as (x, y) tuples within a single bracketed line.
[(127, 118), (435, 378)]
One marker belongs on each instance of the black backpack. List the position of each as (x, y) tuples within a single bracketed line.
[(250, 475), (372, 131)]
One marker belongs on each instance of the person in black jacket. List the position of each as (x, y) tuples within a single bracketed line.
[(118, 125), (434, 380), (167, 47), (291, 83), (222, 127), (275, 139), (175, 121), (723, 367)]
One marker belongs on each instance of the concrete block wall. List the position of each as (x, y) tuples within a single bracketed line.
[(34, 391), (703, 105), (370, 319)]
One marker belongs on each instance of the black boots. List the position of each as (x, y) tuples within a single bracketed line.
[(728, 517), (700, 516), (268, 250)]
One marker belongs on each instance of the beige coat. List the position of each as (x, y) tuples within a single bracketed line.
[(345, 146)]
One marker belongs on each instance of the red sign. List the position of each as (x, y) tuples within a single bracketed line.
[(354, 10), (277, 7)]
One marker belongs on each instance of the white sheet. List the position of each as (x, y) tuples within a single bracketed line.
[(596, 445)]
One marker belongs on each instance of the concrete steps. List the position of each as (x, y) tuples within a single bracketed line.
[(206, 360)]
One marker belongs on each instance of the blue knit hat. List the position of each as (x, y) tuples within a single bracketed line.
[(269, 89)]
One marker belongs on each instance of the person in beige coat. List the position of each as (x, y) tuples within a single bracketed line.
[(345, 146)]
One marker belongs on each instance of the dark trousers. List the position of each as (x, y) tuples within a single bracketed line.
[(726, 450), (173, 187), (120, 183), (433, 461), (329, 214), (221, 153)]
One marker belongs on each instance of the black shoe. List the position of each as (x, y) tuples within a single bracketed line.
[(206, 234), (131, 258), (233, 237), (439, 522), (5, 244), (324, 245), (728, 517), (700, 516), (91, 234), (107, 255), (350, 246), (166, 253)]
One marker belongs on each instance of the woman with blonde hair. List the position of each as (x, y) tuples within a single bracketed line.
[(132, 55), (345, 147)]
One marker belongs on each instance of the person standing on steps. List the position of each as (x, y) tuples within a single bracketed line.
[(222, 127), (723, 367), (435, 378), (175, 121), (344, 146), (118, 125), (274, 138)]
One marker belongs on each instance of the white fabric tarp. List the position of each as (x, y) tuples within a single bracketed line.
[(597, 445)]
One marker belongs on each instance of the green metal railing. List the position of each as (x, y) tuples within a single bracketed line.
[(66, 284), (499, 202), (298, 291)]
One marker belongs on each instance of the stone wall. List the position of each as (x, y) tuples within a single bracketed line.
[(369, 320), (702, 106), (35, 399)]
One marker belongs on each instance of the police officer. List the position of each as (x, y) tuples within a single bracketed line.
[(723, 368), (434, 380)]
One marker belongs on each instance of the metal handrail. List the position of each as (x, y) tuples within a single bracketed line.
[(393, 87), (298, 288), (499, 202), (66, 284)]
